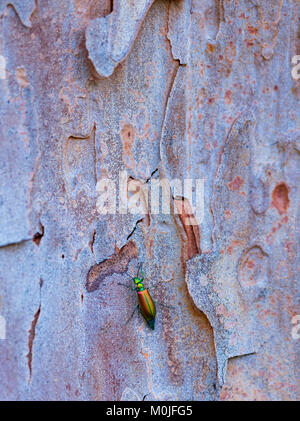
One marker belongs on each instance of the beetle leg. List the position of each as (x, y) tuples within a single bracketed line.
[(127, 286), (164, 305), (132, 314)]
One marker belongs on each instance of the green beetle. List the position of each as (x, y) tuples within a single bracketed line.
[(145, 302)]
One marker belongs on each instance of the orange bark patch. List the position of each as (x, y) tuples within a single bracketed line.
[(190, 225), (236, 184), (280, 198), (228, 214), (210, 48), (128, 136), (229, 250), (21, 77), (252, 29), (228, 97)]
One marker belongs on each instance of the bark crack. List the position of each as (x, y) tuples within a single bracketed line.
[(39, 235), (31, 335), (169, 39), (134, 228)]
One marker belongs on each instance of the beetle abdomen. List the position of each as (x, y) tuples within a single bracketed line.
[(147, 307)]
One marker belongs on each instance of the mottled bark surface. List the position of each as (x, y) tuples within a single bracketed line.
[(179, 89)]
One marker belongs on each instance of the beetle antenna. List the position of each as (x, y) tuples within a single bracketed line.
[(131, 277), (139, 268)]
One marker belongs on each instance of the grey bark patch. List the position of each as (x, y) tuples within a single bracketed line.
[(110, 39)]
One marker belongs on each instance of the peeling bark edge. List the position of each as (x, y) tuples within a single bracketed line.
[(23, 9), (99, 33), (117, 263)]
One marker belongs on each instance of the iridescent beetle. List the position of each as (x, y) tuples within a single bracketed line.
[(146, 303)]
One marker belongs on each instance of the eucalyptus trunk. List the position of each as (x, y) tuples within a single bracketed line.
[(137, 97)]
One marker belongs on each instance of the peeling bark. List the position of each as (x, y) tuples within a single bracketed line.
[(118, 263), (158, 90)]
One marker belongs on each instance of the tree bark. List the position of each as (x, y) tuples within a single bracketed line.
[(139, 93)]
